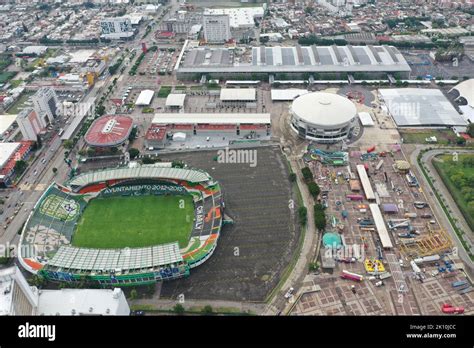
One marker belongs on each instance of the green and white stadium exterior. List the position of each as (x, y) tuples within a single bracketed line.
[(45, 244)]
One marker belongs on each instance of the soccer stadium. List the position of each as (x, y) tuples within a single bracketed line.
[(124, 226)]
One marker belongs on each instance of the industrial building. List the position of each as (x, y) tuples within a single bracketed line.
[(241, 20), (325, 62), (323, 117), (19, 298), (216, 28), (420, 107), (117, 28), (186, 127)]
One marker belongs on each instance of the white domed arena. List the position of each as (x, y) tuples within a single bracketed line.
[(323, 117)]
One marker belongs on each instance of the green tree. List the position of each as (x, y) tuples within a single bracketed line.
[(303, 215), (178, 309), (470, 130), (55, 170), (68, 144), (20, 166), (148, 160), (90, 151), (207, 310), (314, 189), (133, 152), (133, 294), (292, 177), (307, 174), (460, 141)]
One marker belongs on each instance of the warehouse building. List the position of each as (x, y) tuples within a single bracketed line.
[(295, 62), (197, 129)]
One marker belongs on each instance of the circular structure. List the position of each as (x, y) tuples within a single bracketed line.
[(323, 117), (124, 226), (402, 165), (331, 240), (109, 130)]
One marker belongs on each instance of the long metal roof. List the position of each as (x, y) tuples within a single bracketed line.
[(95, 260), (380, 225), (141, 172), (364, 179)]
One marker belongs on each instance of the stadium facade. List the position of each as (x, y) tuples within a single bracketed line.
[(46, 244), (294, 62)]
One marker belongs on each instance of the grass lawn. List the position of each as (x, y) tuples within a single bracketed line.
[(164, 91), (414, 136), (6, 76), (138, 221), (442, 169), (19, 104)]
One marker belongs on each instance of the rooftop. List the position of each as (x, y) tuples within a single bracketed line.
[(211, 118), (109, 130), (175, 100), (238, 94), (325, 109), (145, 97), (420, 107), (6, 151)]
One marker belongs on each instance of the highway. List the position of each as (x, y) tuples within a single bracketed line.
[(436, 206)]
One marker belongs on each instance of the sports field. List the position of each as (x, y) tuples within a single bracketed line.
[(118, 222)]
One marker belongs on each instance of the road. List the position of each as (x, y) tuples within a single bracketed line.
[(443, 191)]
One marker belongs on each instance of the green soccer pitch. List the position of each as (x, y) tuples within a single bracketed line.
[(136, 221)]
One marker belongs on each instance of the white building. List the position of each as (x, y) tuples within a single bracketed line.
[(19, 298), (117, 28), (30, 124), (46, 102), (323, 117), (216, 28)]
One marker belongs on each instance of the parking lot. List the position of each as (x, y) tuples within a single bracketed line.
[(253, 252)]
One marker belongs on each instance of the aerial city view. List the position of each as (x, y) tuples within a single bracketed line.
[(237, 158)]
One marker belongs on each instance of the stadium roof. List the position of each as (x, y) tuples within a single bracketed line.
[(299, 59), (175, 100), (109, 130), (95, 260), (415, 107), (141, 172), (145, 97), (238, 94), (287, 94), (325, 109), (6, 151), (466, 90), (198, 118)]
